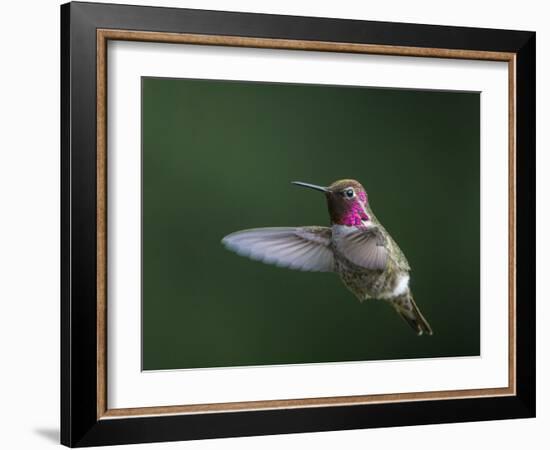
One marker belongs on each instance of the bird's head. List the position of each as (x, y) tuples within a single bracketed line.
[(346, 199)]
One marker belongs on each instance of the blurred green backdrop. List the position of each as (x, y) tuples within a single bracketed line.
[(219, 156)]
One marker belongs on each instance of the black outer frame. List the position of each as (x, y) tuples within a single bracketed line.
[(79, 424)]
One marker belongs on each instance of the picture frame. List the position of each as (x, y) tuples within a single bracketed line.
[(86, 30)]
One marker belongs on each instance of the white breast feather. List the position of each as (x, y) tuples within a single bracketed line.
[(401, 287)]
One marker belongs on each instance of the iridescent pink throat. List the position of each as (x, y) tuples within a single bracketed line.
[(356, 214)]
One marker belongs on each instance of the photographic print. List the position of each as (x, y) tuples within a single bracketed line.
[(298, 223)]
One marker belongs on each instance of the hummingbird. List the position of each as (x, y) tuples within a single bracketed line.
[(356, 246)]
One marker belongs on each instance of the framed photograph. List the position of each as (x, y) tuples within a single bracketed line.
[(276, 224)]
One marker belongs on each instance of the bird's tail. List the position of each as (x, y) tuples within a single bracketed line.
[(412, 315)]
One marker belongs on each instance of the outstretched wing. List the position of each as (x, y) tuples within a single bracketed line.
[(365, 248), (299, 248)]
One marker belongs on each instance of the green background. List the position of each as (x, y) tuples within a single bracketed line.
[(219, 157)]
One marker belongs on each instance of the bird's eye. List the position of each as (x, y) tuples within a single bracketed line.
[(349, 193)]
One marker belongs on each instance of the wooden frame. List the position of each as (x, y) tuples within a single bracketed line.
[(86, 418)]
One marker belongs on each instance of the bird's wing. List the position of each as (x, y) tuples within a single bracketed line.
[(365, 248), (299, 248)]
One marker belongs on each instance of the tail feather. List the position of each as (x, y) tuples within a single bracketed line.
[(412, 315)]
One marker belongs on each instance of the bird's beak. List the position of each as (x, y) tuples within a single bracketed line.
[(311, 186)]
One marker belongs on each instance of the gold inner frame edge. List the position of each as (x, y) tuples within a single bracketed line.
[(103, 36)]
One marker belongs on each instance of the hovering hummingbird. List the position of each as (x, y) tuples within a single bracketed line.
[(356, 246)]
